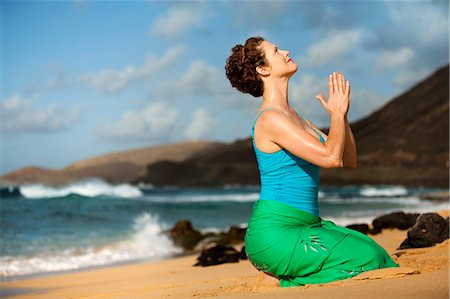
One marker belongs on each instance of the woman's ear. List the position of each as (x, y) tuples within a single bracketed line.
[(263, 70)]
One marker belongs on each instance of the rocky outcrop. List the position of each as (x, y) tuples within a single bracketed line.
[(429, 229), (114, 168), (220, 254), (398, 220), (233, 163), (404, 142), (184, 235), (360, 227)]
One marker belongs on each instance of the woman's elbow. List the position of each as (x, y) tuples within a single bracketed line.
[(333, 163)]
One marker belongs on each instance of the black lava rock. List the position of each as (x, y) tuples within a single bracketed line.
[(362, 228), (429, 229), (218, 255), (235, 235), (398, 220), (243, 254), (184, 235)]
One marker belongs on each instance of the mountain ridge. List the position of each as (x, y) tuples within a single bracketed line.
[(405, 141)]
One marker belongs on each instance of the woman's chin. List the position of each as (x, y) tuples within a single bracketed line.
[(293, 71)]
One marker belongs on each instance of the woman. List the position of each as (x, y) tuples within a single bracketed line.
[(286, 238)]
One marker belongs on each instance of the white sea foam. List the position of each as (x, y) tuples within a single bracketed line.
[(408, 200), (218, 230), (146, 186), (90, 188), (247, 197), (345, 220), (383, 191), (146, 242)]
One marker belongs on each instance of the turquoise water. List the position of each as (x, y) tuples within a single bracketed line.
[(91, 223)]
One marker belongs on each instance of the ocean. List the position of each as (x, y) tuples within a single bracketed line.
[(45, 230)]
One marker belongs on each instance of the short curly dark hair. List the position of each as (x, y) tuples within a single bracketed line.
[(241, 66)]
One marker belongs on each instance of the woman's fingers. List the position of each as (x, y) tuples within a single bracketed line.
[(321, 99), (335, 83), (342, 85), (330, 85), (347, 89), (340, 82)]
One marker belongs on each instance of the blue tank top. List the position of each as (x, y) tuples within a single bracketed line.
[(287, 178)]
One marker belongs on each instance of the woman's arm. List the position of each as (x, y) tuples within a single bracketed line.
[(281, 130), (349, 157)]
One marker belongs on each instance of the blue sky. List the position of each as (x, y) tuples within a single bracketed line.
[(86, 78)]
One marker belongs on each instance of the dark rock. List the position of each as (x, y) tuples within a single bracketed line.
[(210, 234), (184, 235), (398, 220), (429, 229), (235, 235), (362, 228), (243, 254), (218, 255), (207, 242), (392, 149), (393, 143)]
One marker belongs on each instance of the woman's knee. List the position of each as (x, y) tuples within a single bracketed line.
[(364, 251)]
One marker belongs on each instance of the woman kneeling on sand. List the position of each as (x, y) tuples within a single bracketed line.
[(286, 238)]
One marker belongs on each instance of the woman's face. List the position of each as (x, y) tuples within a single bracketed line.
[(280, 63)]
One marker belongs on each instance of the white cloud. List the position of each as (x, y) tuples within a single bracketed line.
[(17, 116), (38, 85), (302, 95), (256, 14), (363, 102), (202, 125), (112, 81), (333, 48), (200, 79), (421, 27), (407, 77), (422, 22), (389, 59), (416, 42), (156, 121), (204, 80), (177, 21)]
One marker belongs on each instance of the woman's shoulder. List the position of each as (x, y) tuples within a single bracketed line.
[(272, 117)]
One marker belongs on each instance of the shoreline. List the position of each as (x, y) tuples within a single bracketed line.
[(238, 247), (176, 277)]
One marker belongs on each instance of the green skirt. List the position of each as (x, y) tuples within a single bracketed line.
[(300, 248)]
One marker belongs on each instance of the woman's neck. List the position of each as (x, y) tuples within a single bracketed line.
[(276, 94)]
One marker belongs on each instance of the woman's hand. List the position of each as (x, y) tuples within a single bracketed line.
[(339, 95)]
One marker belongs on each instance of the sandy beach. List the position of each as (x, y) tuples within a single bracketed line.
[(423, 273)]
